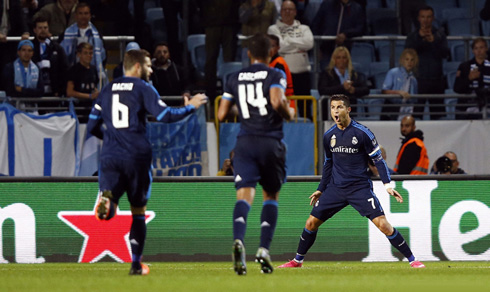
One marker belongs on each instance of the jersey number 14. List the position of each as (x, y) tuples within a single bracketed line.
[(251, 94)]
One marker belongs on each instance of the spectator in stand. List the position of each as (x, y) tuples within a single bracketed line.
[(341, 18), (22, 78), (168, 76), (220, 20), (119, 70), (447, 164), (60, 15), (409, 10), (83, 31), (29, 7), (340, 78), (485, 12), (296, 40), (473, 76), (401, 80), (412, 157), (50, 58), (83, 80), (256, 16), (12, 23), (455, 163), (279, 63), (431, 46)]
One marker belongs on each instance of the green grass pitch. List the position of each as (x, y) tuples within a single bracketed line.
[(219, 276)]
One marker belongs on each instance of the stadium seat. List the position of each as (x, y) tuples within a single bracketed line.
[(450, 66), (458, 52), (154, 18), (225, 69), (451, 77), (377, 17), (459, 26), (363, 53), (379, 78), (450, 104), (485, 27), (391, 4), (374, 4), (384, 51), (379, 67), (310, 11), (315, 93), (359, 67), (451, 13), (196, 47)]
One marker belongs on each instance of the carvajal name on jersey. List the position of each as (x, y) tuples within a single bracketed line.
[(252, 76), (122, 86)]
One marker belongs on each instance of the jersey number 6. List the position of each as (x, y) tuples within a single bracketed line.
[(120, 113)]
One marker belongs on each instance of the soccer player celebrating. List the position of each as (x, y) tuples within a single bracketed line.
[(119, 118), (260, 155), (345, 181)]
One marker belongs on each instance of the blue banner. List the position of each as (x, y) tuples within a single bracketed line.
[(298, 137), (180, 148)]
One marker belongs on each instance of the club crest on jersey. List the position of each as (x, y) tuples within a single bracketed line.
[(333, 141), (354, 140), (374, 142)]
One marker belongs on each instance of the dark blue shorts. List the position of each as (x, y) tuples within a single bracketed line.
[(361, 197), (132, 177), (260, 159)]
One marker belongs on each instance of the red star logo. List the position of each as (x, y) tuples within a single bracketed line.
[(102, 237)]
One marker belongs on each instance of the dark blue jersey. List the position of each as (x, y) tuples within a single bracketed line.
[(119, 117), (346, 156), (249, 89)]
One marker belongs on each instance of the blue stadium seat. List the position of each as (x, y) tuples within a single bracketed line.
[(451, 77), (459, 26), (196, 47), (363, 53), (458, 52), (310, 11), (451, 13), (440, 5), (450, 66), (359, 67), (384, 51), (154, 18), (485, 27), (225, 69), (315, 93), (374, 4), (379, 67), (379, 78), (382, 21)]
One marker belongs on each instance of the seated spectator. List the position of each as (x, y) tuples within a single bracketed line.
[(296, 40), (119, 70), (341, 18), (442, 165), (22, 78), (473, 76), (84, 31), (12, 23), (60, 15), (227, 168), (168, 77), (401, 80), (453, 161), (50, 58), (340, 78), (279, 63), (83, 80)]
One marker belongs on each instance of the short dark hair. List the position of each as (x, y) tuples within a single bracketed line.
[(39, 19), (81, 5), (84, 45), (134, 56), (259, 46), (477, 40), (426, 7), (341, 97), (274, 38)]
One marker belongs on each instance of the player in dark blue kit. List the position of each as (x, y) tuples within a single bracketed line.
[(260, 154), (119, 118), (345, 181)]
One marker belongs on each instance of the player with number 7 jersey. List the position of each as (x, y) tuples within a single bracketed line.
[(260, 154), (119, 118)]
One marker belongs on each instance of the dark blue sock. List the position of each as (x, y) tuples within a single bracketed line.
[(137, 237), (305, 242), (240, 214), (397, 240), (268, 221)]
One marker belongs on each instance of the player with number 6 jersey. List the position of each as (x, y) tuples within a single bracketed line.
[(119, 118), (260, 154)]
